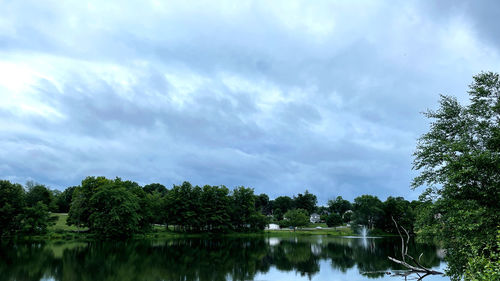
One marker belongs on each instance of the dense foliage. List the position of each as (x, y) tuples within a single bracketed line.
[(117, 208), (459, 162)]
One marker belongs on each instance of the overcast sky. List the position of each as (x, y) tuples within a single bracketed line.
[(280, 96)]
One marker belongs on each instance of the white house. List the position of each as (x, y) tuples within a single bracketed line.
[(315, 218), (272, 226)]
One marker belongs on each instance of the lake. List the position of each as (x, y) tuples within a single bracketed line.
[(260, 258)]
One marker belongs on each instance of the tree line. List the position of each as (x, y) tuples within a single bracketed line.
[(116, 207)]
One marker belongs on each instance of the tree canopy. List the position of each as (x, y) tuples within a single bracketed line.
[(459, 163)]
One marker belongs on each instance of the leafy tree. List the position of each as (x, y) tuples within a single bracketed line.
[(63, 199), (114, 211), (262, 204), (11, 207), (296, 218), (243, 207), (80, 211), (367, 210), (306, 201), (215, 204), (333, 219), (339, 205), (283, 204), (39, 193), (399, 209), (155, 187), (35, 219), (459, 162)]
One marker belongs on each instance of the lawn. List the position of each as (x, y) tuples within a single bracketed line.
[(60, 224)]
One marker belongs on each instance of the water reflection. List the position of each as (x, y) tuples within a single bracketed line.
[(204, 259)]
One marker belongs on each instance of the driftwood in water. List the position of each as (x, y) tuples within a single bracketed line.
[(417, 267)]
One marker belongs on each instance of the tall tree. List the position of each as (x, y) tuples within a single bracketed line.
[(339, 205), (459, 162), (281, 205), (11, 207), (306, 201), (367, 210)]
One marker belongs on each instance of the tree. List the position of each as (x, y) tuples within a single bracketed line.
[(35, 219), (80, 211), (115, 211), (333, 219), (296, 218), (367, 210), (11, 207), (459, 162), (39, 193), (283, 204), (306, 201), (155, 187), (339, 205), (399, 209), (243, 207), (262, 204), (63, 199)]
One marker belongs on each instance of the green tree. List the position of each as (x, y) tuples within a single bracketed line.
[(114, 211), (459, 162), (215, 204), (242, 207), (11, 207), (306, 201), (399, 209), (155, 187), (339, 205), (283, 204), (296, 218), (80, 211), (39, 193), (35, 219), (63, 199), (333, 219), (367, 210)]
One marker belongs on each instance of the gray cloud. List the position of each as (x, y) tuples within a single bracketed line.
[(280, 97)]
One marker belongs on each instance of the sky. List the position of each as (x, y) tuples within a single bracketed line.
[(280, 96)]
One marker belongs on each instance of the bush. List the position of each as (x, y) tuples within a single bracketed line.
[(333, 219)]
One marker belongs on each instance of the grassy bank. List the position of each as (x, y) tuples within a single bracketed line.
[(59, 230)]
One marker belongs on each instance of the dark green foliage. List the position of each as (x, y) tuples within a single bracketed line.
[(35, 219), (295, 218), (367, 210), (459, 162), (281, 205), (114, 211), (306, 201), (215, 204), (155, 187), (262, 204), (80, 211), (113, 208), (39, 193), (339, 205), (63, 199), (333, 219), (11, 207), (399, 209)]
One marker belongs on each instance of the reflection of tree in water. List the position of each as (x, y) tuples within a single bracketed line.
[(198, 259)]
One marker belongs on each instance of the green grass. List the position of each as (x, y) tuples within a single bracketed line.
[(332, 232), (61, 226), (314, 225)]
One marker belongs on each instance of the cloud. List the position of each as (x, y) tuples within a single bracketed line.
[(279, 96)]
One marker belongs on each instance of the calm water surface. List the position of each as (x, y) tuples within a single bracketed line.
[(291, 258)]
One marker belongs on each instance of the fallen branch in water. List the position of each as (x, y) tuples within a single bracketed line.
[(417, 268)]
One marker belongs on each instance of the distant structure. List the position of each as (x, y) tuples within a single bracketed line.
[(315, 218), (272, 226)]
